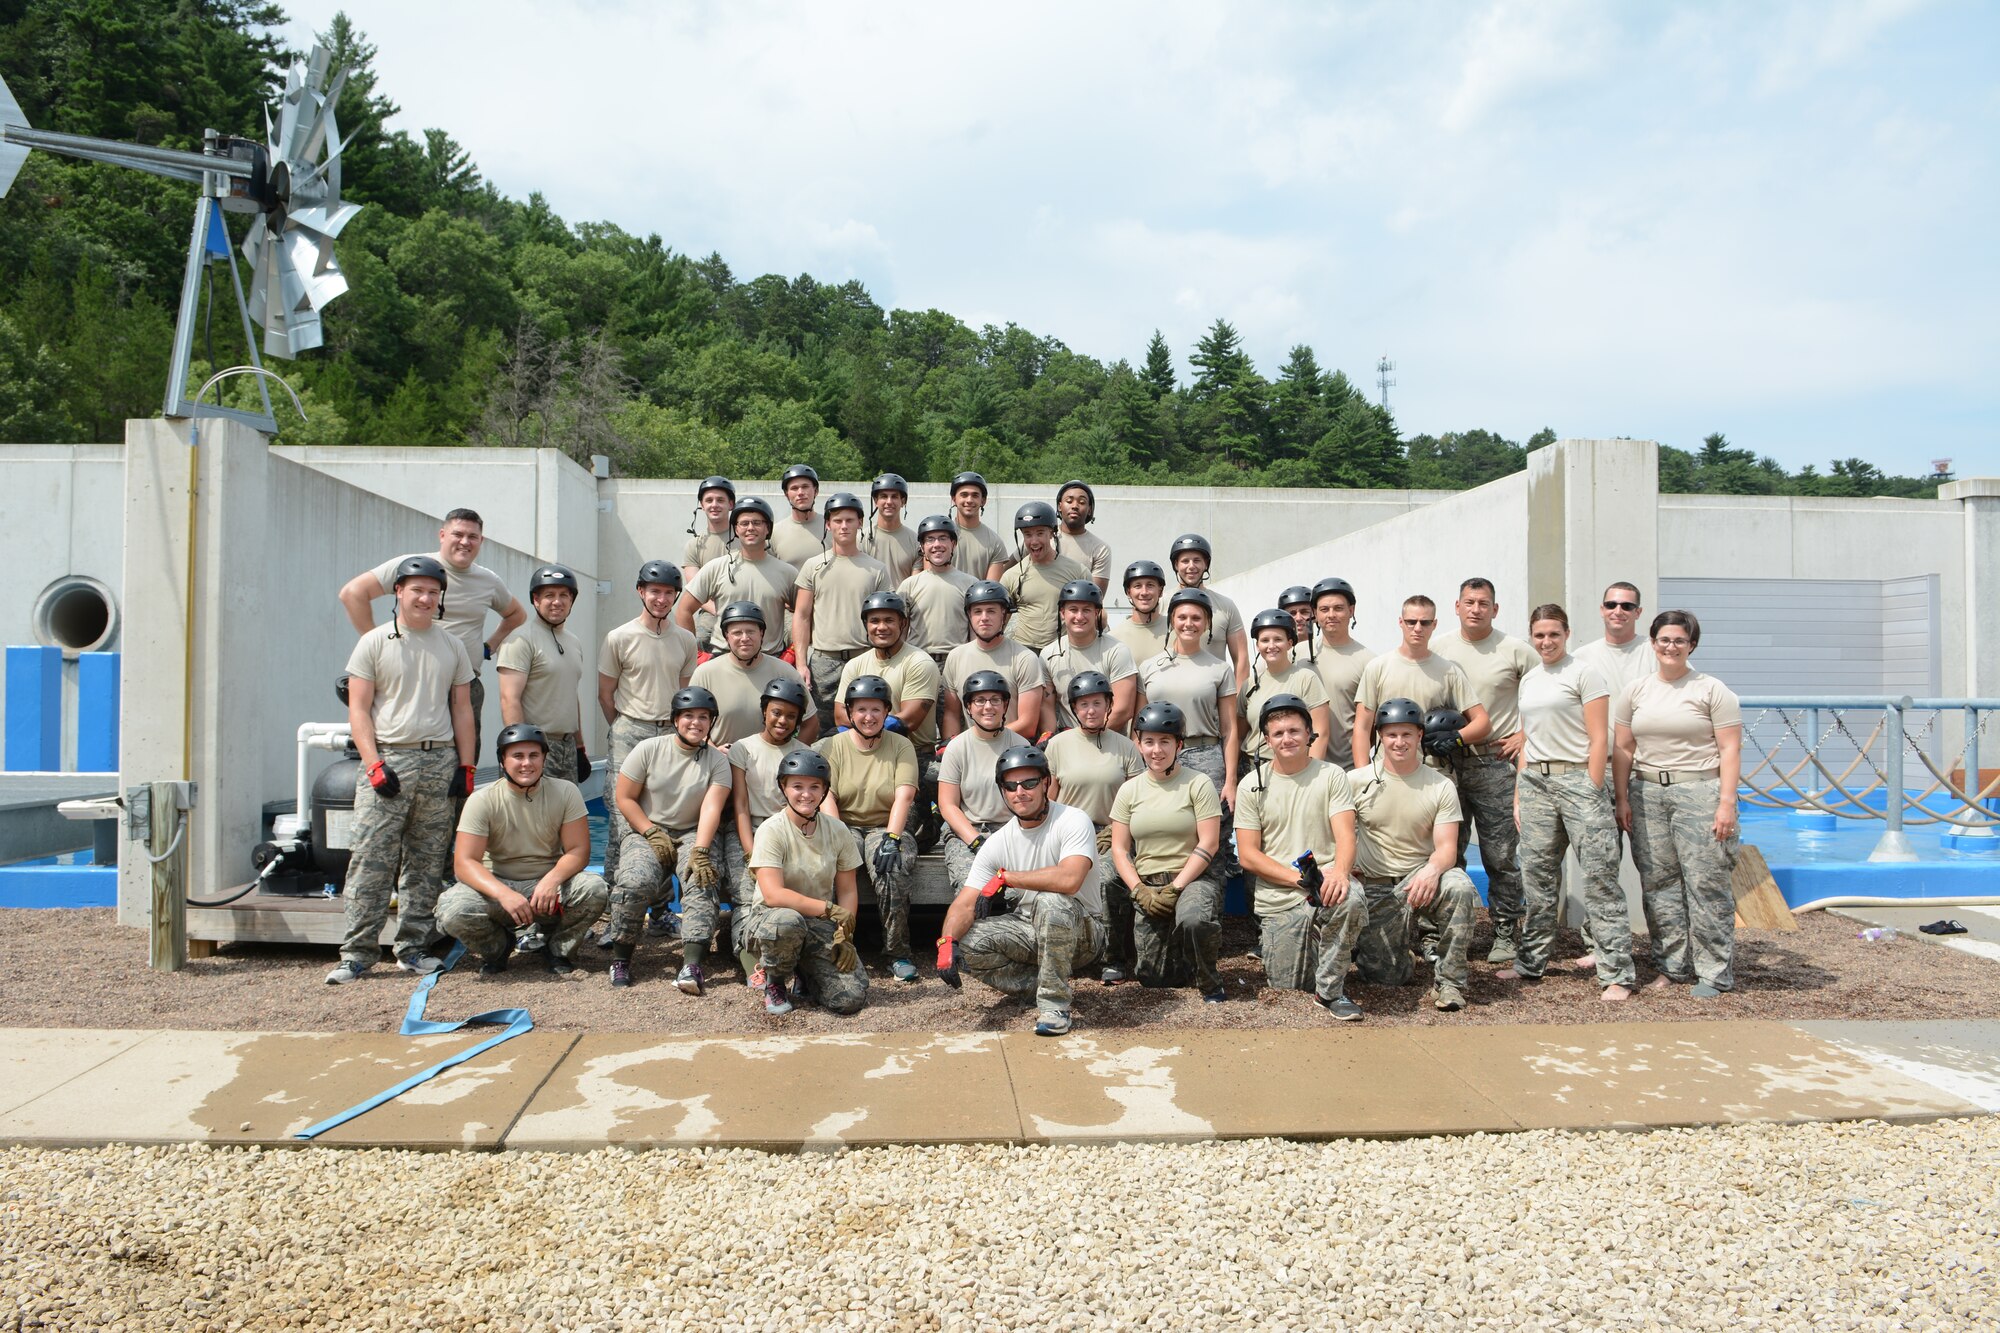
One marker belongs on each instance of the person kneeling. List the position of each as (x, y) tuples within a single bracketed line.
[(1030, 914), (800, 917), (522, 847), (1165, 827)]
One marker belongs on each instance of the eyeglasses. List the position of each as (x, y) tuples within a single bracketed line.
[(1621, 606), (1414, 624), (1020, 784), (1671, 643)]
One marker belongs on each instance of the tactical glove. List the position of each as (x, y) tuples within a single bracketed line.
[(383, 779), (947, 961), (582, 764), (665, 850), (1104, 842), (888, 855), (1161, 895), (462, 780), (701, 872), (1310, 878), (992, 899)]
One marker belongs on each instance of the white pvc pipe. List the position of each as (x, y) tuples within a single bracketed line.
[(314, 736)]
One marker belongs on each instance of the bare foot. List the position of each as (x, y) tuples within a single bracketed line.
[(1587, 963), (1659, 983), (1507, 974), (1615, 994)]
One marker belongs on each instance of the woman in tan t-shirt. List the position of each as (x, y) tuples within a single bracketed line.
[(1676, 761), (1166, 828)]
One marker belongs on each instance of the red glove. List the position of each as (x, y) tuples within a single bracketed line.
[(991, 900), (947, 961), (462, 780), (383, 778), (790, 656)]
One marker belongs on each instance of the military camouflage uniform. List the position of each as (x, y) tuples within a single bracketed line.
[(1207, 760), (626, 732), (483, 926), (1486, 792), (1561, 810), (413, 828), (826, 682), (1121, 947), (561, 761), (640, 885), (786, 942), (1174, 950), (1309, 948), (1684, 877), (892, 891), (1383, 951), (1035, 948), (958, 857)]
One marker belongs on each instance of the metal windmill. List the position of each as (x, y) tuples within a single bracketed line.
[(291, 183)]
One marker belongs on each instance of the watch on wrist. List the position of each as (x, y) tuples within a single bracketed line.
[(488, 652)]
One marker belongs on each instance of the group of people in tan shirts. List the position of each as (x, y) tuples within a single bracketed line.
[(805, 702)]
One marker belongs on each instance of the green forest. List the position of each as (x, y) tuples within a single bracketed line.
[(473, 318)]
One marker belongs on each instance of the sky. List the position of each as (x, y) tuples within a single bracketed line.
[(1772, 220)]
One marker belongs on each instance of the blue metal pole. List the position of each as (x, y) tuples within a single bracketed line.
[(1893, 844)]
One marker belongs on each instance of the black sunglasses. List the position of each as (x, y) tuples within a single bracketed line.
[(1020, 784), (1621, 606)]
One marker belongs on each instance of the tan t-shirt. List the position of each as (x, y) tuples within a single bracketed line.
[(1435, 682), (672, 781), (1551, 706), (700, 549), (1298, 679), (1034, 589), (810, 864), (794, 542), (898, 549), (1674, 721), (1064, 662), (1293, 814), (523, 832), (413, 675), (910, 674), (469, 594), (968, 762), (980, 548), (768, 582), (1203, 684), (648, 666), (937, 608), (1620, 664), (1395, 818), (1142, 641), (739, 693), (839, 584), (1164, 817), (865, 781), (552, 660), (1339, 670), (1017, 663), (1494, 666), (1090, 551), (1091, 769), (757, 760)]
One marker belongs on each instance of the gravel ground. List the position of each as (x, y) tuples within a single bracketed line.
[(1819, 1227), (75, 968)]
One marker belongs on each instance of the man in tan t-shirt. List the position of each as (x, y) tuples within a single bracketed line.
[(826, 610), (541, 673), (1076, 503), (888, 538), (874, 793), (801, 535), (1029, 711), (1038, 576), (1415, 673), (935, 592), (737, 676), (750, 573), (708, 539), (981, 553), (1144, 632), (1339, 660), (640, 665)]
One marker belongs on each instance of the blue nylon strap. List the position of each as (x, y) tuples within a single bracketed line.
[(513, 1022)]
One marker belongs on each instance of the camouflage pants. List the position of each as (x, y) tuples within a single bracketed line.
[(737, 879), (641, 884), (412, 829), (561, 761), (1486, 791), (1175, 949), (786, 942), (958, 857), (1207, 760), (1121, 947), (484, 928), (892, 890), (1383, 952), (1037, 947), (1309, 948), (1560, 811), (626, 732), (826, 684), (1684, 879)]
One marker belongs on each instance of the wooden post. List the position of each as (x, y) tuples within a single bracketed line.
[(169, 919), (1759, 903)]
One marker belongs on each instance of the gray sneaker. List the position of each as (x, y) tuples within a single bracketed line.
[(689, 981), (532, 940), (422, 964), (903, 970), (345, 973), (777, 1000), (1344, 1009), (1504, 948), (1447, 997), (1052, 1023)]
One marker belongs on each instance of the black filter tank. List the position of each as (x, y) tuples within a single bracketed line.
[(333, 815)]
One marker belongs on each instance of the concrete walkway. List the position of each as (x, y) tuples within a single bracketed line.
[(564, 1091)]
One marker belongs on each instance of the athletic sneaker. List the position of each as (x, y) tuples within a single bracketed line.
[(1216, 996), (903, 970), (1447, 997), (689, 981), (560, 966), (755, 981), (1052, 1023), (1703, 991), (1112, 976), (1504, 949), (489, 967), (663, 923), (1344, 1009), (776, 999), (345, 973), (422, 964), (532, 941), (621, 973)]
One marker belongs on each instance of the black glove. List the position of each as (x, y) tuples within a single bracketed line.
[(462, 779), (582, 764), (992, 899), (947, 961), (978, 841), (888, 855), (1443, 744), (383, 779), (1310, 878)]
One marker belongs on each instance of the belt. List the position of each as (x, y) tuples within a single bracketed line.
[(649, 721), (1484, 749), (558, 735), (1194, 742), (1668, 777), (420, 745), (1550, 767), (840, 654), (1432, 761)]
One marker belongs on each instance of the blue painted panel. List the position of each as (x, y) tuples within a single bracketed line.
[(34, 709), (59, 886), (97, 713)]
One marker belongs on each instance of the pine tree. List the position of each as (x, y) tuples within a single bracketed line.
[(1158, 374)]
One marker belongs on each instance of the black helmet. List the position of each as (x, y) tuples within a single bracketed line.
[(723, 484), (1076, 485), (986, 682), (1443, 719), (689, 698), (1080, 590), (1190, 541), (885, 601), (1036, 514), (937, 523), (889, 481), (340, 689), (844, 500), (1162, 717), (739, 611), (1020, 756), (551, 576), (868, 687), (968, 479), (1398, 712), (784, 691), (797, 470), (986, 590), (1085, 683), (1326, 587), (1296, 595), (663, 572), (750, 504), (1264, 620), (804, 763), (419, 567), (521, 733), (1284, 703), (1191, 597), (1144, 569)]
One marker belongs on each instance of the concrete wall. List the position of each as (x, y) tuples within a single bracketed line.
[(1976, 608)]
